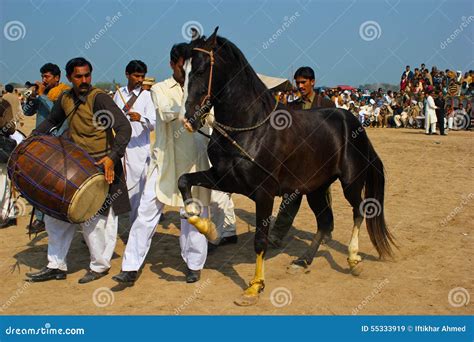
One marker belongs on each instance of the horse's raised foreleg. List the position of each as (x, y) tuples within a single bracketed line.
[(264, 206), (192, 207)]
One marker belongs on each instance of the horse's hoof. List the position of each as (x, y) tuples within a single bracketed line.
[(192, 208), (246, 300), (355, 267)]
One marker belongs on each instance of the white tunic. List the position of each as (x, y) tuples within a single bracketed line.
[(176, 151), (430, 111), (138, 149)]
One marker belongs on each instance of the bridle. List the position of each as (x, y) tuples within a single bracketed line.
[(221, 128), (206, 101)]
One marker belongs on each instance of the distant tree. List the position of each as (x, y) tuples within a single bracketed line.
[(108, 86)]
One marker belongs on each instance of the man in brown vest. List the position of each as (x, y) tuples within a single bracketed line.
[(98, 126), (305, 81)]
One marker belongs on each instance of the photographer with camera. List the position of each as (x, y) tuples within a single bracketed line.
[(41, 98)]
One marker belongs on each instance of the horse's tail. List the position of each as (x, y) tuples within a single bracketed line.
[(373, 206)]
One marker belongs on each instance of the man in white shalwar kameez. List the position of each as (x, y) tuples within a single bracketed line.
[(140, 111), (430, 114), (175, 152)]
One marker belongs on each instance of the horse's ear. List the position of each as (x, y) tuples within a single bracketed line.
[(213, 37)]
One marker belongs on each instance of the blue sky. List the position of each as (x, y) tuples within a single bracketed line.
[(276, 36)]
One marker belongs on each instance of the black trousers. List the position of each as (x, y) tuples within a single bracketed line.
[(440, 117)]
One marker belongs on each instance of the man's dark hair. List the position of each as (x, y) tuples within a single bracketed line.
[(136, 66), (51, 68), (9, 88), (178, 51), (305, 72), (407, 66), (77, 62)]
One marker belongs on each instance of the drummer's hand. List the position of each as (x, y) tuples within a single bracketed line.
[(108, 168), (134, 116), (41, 88)]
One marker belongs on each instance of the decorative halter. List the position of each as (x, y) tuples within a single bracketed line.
[(222, 129), (211, 72)]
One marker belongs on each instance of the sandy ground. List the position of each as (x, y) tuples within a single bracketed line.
[(431, 273)]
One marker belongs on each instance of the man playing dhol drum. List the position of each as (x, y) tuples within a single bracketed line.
[(91, 115)]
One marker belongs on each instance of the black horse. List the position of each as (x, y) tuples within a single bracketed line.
[(262, 149)]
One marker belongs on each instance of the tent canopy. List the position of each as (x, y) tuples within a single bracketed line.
[(275, 83)]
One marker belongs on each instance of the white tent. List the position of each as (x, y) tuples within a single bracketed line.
[(275, 83)]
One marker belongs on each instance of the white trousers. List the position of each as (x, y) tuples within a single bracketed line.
[(193, 244), (222, 214), (6, 200), (135, 194), (450, 122), (430, 125), (100, 234)]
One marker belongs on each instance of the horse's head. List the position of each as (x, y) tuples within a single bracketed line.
[(199, 81)]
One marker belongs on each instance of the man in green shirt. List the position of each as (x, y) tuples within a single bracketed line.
[(305, 81)]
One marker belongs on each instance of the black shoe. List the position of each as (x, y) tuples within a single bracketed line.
[(91, 276), (192, 276), (8, 223), (126, 277), (46, 274), (228, 240), (36, 227)]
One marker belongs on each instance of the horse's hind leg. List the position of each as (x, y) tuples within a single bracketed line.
[(320, 202), (353, 192)]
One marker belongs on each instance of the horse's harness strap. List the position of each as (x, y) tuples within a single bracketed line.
[(209, 85)]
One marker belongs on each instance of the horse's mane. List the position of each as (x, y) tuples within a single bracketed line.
[(230, 52)]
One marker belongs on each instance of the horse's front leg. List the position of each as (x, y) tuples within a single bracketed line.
[(264, 206), (192, 207)]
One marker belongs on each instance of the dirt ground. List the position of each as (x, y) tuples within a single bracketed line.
[(429, 208)]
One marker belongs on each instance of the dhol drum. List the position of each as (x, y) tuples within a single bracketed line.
[(58, 177)]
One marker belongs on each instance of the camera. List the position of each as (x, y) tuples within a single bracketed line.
[(31, 88)]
